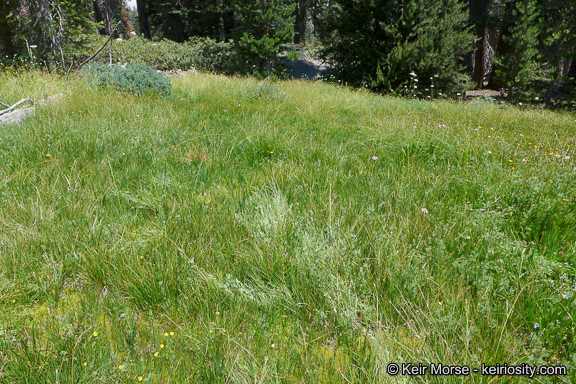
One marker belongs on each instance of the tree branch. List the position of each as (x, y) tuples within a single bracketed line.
[(101, 48), (10, 109)]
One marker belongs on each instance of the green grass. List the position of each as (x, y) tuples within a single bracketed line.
[(249, 232)]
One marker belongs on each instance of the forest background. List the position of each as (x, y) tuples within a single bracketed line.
[(423, 48)]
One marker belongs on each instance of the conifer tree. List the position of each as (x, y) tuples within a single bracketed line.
[(264, 27), (381, 42), (519, 64)]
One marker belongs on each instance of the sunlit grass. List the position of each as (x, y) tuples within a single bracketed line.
[(244, 231)]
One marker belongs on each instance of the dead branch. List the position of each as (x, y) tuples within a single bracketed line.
[(10, 109), (69, 69), (4, 105), (101, 48)]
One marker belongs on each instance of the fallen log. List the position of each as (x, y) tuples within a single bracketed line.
[(10, 109)]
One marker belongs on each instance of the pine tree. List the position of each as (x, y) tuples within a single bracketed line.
[(558, 40), (264, 27), (517, 65), (381, 42)]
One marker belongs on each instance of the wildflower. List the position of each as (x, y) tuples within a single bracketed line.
[(171, 333), (536, 325), (161, 346), (273, 345), (155, 354), (374, 158), (165, 334), (412, 74), (95, 334), (85, 364), (120, 367), (140, 378), (564, 296), (424, 210), (520, 104), (48, 155), (511, 213), (217, 313), (510, 160), (536, 98)]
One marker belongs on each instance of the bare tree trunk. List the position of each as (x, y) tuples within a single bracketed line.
[(481, 52), (479, 16)]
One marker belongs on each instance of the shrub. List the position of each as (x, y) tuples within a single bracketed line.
[(134, 78), (199, 53)]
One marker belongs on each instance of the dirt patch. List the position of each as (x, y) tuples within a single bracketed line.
[(483, 92)]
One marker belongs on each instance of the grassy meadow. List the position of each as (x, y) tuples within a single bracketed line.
[(242, 231)]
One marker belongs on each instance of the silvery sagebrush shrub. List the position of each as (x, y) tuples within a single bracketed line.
[(135, 79)]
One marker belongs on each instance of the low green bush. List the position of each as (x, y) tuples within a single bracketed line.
[(199, 53), (133, 78)]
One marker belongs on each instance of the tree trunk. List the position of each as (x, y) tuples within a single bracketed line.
[(503, 48), (143, 19), (481, 53), (479, 15), (300, 22), (98, 17)]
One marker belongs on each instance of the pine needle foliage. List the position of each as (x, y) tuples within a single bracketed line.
[(378, 43), (264, 28)]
